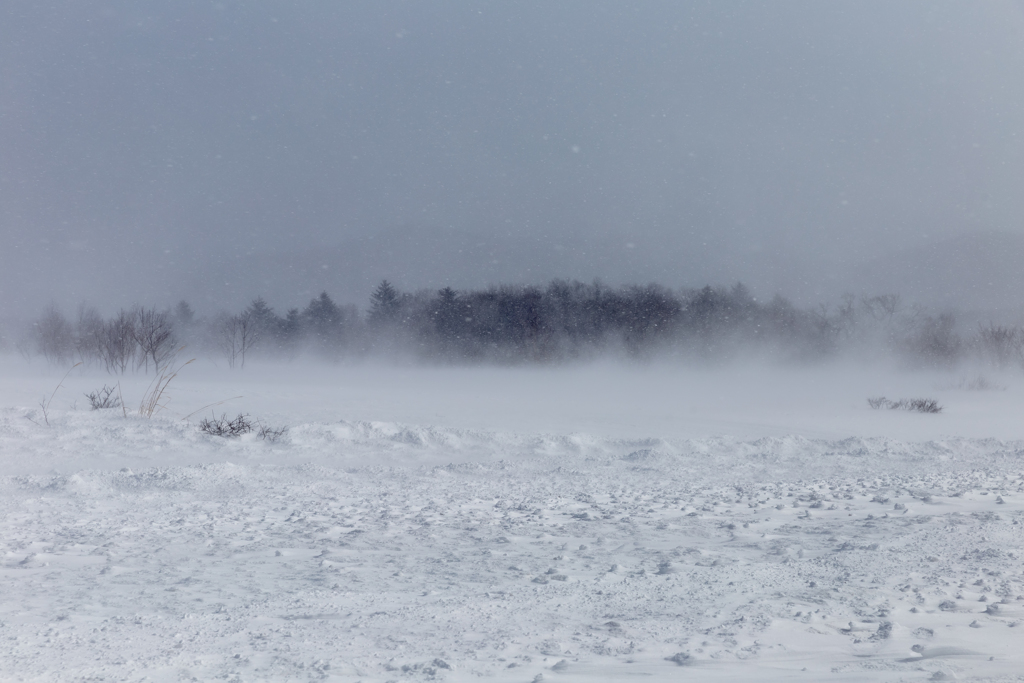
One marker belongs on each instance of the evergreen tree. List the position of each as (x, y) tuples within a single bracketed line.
[(262, 313), (184, 316), (385, 303), (292, 323), (448, 314), (290, 330), (324, 319)]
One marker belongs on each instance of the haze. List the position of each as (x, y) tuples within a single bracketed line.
[(379, 340), (151, 152)]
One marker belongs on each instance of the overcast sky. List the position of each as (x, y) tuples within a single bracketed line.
[(151, 151)]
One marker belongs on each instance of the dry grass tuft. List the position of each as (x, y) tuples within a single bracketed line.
[(154, 400)]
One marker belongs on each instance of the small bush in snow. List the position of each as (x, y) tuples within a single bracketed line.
[(917, 405), (104, 398), (979, 383), (222, 426), (242, 424), (269, 433)]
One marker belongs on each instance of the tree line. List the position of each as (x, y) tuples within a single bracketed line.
[(563, 320)]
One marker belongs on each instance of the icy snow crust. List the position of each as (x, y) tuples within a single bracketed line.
[(363, 550)]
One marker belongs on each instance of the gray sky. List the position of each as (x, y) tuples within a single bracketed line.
[(151, 151)]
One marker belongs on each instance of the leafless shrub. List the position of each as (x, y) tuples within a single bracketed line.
[(916, 405), (979, 383), (104, 398), (921, 405), (268, 433), (222, 426), (239, 425)]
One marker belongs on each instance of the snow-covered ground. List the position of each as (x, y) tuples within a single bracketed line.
[(599, 522)]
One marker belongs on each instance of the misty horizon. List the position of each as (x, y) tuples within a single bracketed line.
[(149, 151)]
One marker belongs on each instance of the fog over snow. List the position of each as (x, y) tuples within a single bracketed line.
[(395, 341)]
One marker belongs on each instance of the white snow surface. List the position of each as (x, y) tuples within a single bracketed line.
[(581, 523)]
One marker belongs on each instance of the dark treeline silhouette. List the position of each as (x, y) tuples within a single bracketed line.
[(519, 324)]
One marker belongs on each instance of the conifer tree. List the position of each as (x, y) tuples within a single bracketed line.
[(384, 303)]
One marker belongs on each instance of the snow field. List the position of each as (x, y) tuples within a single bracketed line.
[(351, 550)]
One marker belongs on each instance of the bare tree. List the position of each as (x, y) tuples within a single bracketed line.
[(249, 332), (1003, 345), (883, 307), (227, 337), (154, 335), (89, 334), (238, 334), (934, 340), (54, 336), (119, 345)]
